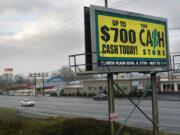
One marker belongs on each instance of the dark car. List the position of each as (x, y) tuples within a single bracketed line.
[(145, 93), (100, 97)]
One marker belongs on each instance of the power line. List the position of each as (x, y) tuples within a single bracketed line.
[(23, 44), (55, 28), (125, 3), (174, 28), (12, 52), (175, 53), (117, 2), (53, 35), (73, 44), (40, 36)]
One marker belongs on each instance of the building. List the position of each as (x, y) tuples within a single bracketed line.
[(170, 83), (72, 89), (92, 87), (57, 83), (51, 85), (96, 86), (22, 90)]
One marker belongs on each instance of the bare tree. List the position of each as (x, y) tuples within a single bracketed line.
[(68, 75), (3, 83), (20, 79)]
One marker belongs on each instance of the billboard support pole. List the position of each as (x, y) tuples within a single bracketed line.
[(154, 105), (110, 101), (110, 93), (111, 107)]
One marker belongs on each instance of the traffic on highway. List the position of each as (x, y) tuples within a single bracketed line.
[(89, 108)]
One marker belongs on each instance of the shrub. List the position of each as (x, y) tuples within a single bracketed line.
[(73, 94), (81, 126), (89, 94), (85, 94), (53, 94)]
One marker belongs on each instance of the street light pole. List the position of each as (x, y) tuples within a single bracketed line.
[(106, 3)]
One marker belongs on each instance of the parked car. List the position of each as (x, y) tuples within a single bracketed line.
[(140, 93), (27, 102), (100, 97)]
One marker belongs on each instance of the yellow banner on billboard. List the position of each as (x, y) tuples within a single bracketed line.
[(130, 37)]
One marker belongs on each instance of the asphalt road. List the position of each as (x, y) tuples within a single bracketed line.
[(169, 111)]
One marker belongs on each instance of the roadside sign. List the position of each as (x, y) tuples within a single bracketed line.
[(128, 42), (113, 117), (38, 74), (8, 69)]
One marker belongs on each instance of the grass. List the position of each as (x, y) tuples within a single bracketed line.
[(7, 115), (12, 124)]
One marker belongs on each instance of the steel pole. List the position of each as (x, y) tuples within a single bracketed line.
[(110, 94), (43, 85), (34, 85), (110, 101), (155, 114), (172, 66), (106, 3)]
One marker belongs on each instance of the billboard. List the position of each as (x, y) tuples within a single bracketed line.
[(128, 42), (8, 69), (38, 74)]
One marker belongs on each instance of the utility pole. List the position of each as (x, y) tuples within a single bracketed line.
[(43, 84), (35, 86), (111, 107), (10, 81), (35, 75), (155, 115)]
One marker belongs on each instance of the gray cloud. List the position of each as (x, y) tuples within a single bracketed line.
[(22, 6), (38, 35)]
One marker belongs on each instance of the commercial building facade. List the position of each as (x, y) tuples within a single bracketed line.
[(96, 86)]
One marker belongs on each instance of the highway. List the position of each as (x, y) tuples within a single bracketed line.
[(169, 111)]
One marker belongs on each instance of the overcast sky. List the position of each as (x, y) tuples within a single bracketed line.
[(38, 35)]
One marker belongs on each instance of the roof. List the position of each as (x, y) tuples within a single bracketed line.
[(55, 79), (75, 82), (22, 86), (121, 79), (74, 86)]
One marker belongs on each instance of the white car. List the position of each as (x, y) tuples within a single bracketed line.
[(27, 102)]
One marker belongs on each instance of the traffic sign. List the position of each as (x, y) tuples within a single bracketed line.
[(113, 117)]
